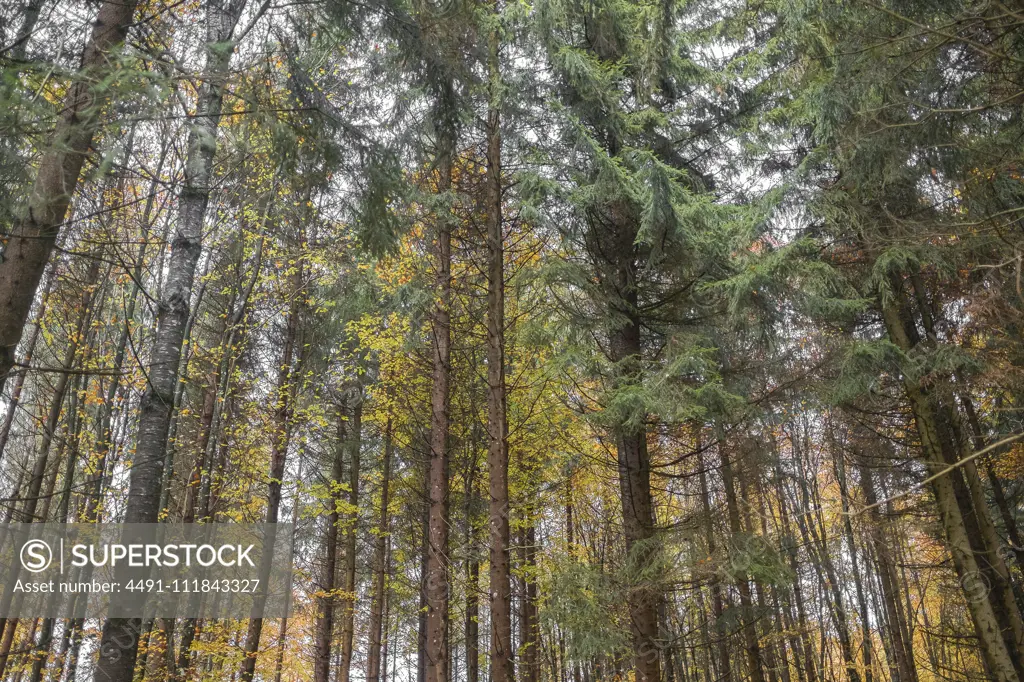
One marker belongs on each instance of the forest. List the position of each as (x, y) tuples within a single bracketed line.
[(578, 340)]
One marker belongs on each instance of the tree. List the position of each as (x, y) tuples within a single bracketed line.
[(720, 303), (155, 410), (28, 247)]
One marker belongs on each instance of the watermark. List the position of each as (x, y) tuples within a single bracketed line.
[(975, 586), (145, 570), (36, 556)]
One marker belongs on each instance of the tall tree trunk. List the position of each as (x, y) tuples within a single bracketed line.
[(348, 600), (380, 550), (995, 636), (421, 624), (817, 544), (116, 662), (473, 501), (435, 586), (33, 495), (198, 497), (41, 654), (625, 350), (35, 484), (808, 670), (325, 603), (287, 379), (500, 591), (855, 562), (387, 625), (282, 632), (34, 234), (724, 668), (529, 623), (473, 620), (956, 450), (89, 512)]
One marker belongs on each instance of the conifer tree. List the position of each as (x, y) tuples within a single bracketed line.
[(34, 233)]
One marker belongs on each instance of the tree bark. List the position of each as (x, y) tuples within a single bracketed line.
[(325, 603), (380, 549), (288, 370), (34, 234), (352, 523), (995, 636), (902, 650), (615, 246), (435, 587), (117, 661), (724, 668), (500, 591), (751, 645)]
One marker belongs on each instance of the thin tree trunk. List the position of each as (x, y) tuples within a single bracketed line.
[(380, 549), (823, 562), (117, 663), (724, 668), (865, 626), (472, 503), (387, 625), (213, 426), (28, 513), (435, 587), (999, 656), (903, 651), (41, 653), (807, 645), (750, 640), (348, 600), (283, 630), (325, 604), (94, 488), (289, 369), (500, 591), (530, 625), (421, 625)]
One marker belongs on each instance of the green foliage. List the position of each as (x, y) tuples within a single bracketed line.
[(586, 604)]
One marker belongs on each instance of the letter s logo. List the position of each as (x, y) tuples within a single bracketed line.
[(36, 556)]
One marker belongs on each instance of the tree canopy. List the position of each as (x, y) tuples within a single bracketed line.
[(649, 340)]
